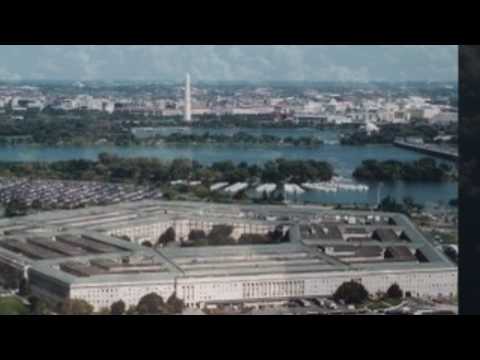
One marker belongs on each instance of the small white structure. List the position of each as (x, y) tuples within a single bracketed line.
[(293, 189), (235, 188), (218, 186), (371, 128), (268, 188)]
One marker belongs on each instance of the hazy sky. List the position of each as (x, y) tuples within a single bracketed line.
[(230, 62)]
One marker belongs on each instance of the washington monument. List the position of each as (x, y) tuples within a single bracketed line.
[(188, 100)]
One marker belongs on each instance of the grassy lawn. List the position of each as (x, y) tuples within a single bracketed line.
[(383, 304), (393, 302), (378, 305), (12, 306)]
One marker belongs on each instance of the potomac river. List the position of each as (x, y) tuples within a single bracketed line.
[(344, 159)]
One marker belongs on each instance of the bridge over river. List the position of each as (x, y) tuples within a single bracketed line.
[(429, 149)]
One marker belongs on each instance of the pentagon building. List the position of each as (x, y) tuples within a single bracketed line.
[(96, 254)]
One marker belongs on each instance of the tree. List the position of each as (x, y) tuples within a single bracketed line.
[(394, 292), (104, 311), (197, 235), (278, 236), (279, 197), (11, 278), (36, 204), (201, 191), (167, 237), (241, 196), (221, 235), (389, 204), (118, 308), (352, 293), (132, 310), (38, 306), (16, 207), (151, 304), (264, 196), (75, 307), (175, 305), (24, 287), (181, 169), (410, 204), (170, 195), (254, 239)]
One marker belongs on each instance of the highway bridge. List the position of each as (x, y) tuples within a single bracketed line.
[(429, 149)]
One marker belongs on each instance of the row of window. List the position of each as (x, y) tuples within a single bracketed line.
[(273, 289)]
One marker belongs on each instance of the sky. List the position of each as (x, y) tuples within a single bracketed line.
[(230, 62)]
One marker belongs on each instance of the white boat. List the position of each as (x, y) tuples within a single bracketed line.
[(325, 187), (293, 189), (178, 182), (218, 186), (268, 188), (235, 188)]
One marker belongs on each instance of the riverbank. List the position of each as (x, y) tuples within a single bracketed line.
[(344, 160), (425, 169)]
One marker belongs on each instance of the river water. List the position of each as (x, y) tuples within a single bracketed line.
[(344, 159)]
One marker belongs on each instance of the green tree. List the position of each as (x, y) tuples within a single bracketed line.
[(24, 287), (167, 237), (201, 191), (395, 292), (264, 196), (104, 311), (221, 235), (175, 305), (241, 196), (151, 304), (389, 204), (352, 293), (38, 306), (279, 197), (16, 207), (75, 307), (118, 308), (132, 310), (11, 278), (196, 235), (36, 204), (181, 169), (170, 195)]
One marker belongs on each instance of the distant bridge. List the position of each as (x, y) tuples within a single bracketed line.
[(429, 149)]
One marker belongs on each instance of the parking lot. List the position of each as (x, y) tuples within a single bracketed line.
[(71, 194)]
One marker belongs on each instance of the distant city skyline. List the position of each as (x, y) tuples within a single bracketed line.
[(230, 63)]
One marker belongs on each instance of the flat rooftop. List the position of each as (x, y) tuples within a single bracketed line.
[(71, 244)]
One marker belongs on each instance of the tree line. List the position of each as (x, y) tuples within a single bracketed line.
[(425, 169), (388, 133), (150, 304), (151, 171), (237, 138)]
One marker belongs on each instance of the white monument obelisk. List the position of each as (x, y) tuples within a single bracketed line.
[(188, 100)]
